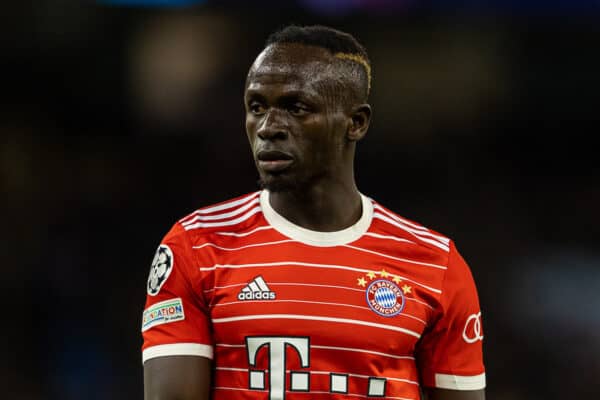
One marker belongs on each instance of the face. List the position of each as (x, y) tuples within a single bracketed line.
[(294, 120)]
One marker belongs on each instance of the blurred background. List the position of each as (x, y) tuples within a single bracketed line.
[(119, 117)]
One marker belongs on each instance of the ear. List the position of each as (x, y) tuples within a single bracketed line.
[(359, 122)]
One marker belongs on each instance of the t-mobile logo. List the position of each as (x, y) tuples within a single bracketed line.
[(277, 350)]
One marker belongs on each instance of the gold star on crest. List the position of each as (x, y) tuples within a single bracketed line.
[(371, 275), (384, 273), (397, 280), (361, 281), (406, 289)]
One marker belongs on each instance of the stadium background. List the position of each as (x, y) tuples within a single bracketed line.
[(118, 119)]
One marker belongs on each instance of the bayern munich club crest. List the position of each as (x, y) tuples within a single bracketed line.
[(385, 298)]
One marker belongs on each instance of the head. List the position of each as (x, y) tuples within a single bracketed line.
[(306, 107)]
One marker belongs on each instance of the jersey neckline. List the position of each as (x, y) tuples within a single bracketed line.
[(317, 238)]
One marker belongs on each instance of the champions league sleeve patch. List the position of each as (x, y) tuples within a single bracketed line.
[(162, 313), (162, 264)]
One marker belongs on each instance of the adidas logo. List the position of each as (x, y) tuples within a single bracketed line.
[(256, 290)]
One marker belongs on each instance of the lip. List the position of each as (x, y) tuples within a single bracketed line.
[(274, 165), (273, 160), (273, 155)]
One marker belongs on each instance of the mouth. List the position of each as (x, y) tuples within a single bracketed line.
[(273, 160)]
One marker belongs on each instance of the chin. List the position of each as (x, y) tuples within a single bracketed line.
[(278, 184)]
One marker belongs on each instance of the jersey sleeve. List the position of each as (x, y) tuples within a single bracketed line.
[(175, 319), (450, 354)]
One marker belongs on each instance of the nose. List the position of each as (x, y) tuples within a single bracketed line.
[(272, 126)]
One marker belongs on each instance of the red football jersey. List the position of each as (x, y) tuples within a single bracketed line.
[(374, 310)]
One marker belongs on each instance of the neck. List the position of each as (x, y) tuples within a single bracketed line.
[(325, 208)]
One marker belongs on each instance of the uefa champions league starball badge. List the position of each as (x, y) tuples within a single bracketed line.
[(162, 264), (384, 295)]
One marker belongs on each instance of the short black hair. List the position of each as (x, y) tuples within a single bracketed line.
[(340, 44), (334, 40)]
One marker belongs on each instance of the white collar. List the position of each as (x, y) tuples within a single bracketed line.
[(317, 238)]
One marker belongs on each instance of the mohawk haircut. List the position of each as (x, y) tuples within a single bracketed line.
[(340, 44)]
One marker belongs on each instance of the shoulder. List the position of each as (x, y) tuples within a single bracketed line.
[(234, 214), (408, 229)]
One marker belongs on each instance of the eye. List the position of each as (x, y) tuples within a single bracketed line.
[(298, 109), (256, 108)]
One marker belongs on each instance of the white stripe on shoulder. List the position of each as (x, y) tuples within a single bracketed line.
[(243, 247), (177, 349), (398, 218), (417, 235), (397, 239), (236, 234), (220, 207), (223, 223), (226, 215), (458, 382), (421, 229), (396, 258)]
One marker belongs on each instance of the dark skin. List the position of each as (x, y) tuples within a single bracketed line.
[(293, 111), (302, 131)]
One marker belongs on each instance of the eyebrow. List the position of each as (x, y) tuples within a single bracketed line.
[(253, 94)]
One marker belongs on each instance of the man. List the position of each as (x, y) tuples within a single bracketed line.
[(309, 289)]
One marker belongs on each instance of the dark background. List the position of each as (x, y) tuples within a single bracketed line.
[(118, 120)]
